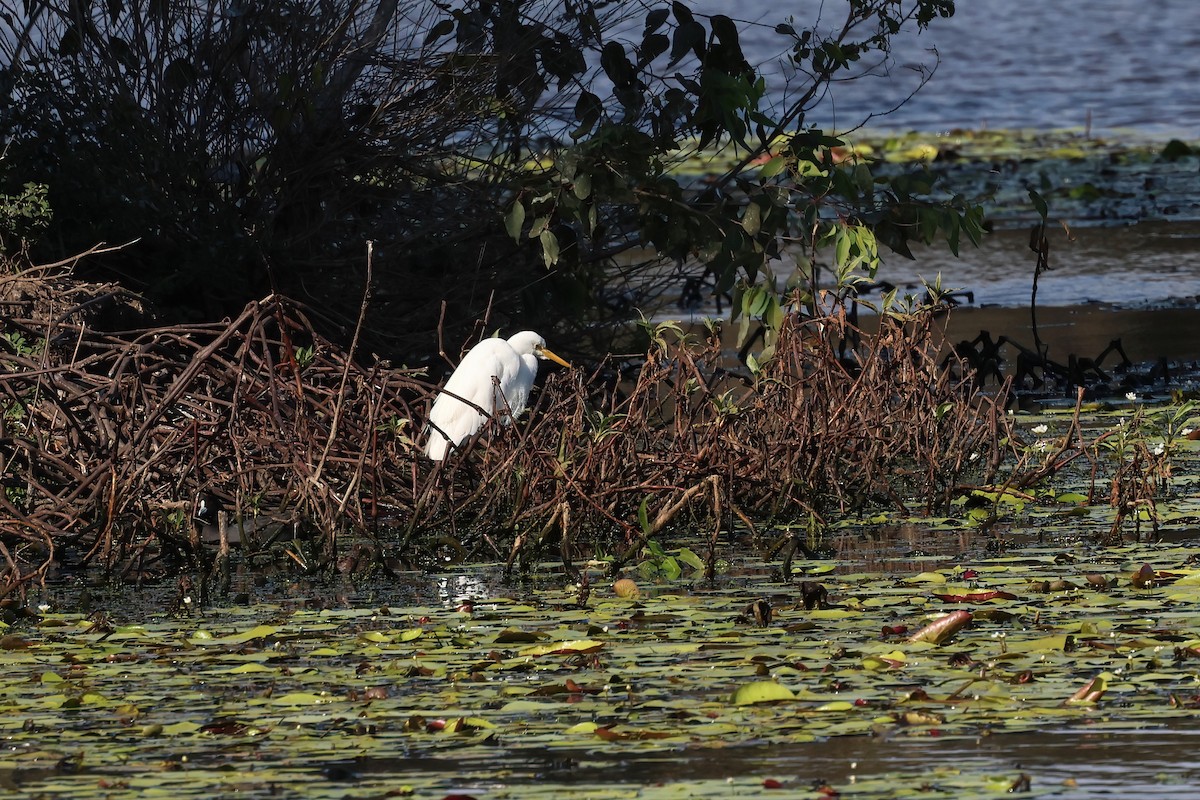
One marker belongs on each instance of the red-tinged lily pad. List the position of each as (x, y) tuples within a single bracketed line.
[(1092, 691), (942, 628), (466, 725)]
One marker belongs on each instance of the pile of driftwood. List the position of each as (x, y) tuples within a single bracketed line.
[(112, 445)]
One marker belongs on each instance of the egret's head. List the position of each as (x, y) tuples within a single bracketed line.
[(530, 343)]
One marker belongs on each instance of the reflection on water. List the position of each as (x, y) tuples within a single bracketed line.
[(1139, 284), (1142, 264), (1083, 764), (1075, 764)]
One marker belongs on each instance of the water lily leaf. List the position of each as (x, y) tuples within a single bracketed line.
[(892, 660), (832, 613), (564, 648), (1092, 691), (321, 652), (257, 632), (760, 692), (514, 636), (978, 596), (467, 725), (836, 705), (1043, 644), (625, 734), (299, 699), (528, 707), (942, 628)]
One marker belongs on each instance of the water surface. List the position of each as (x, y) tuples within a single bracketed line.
[(1019, 63)]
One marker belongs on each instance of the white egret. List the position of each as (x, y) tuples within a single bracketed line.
[(495, 375)]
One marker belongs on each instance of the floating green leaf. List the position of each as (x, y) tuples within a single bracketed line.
[(761, 692)]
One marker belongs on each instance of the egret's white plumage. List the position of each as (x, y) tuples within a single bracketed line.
[(495, 375)]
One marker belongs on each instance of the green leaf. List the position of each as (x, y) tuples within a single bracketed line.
[(760, 692), (752, 218), (616, 65), (1039, 204), (550, 251), (689, 37), (655, 20), (670, 568), (843, 247), (582, 187), (690, 558), (515, 220), (563, 648), (772, 167)]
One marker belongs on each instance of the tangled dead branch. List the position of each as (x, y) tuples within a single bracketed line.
[(812, 434), (106, 441)]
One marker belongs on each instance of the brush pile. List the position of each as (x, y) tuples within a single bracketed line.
[(108, 439)]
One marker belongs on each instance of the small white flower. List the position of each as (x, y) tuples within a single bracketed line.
[(1041, 428), (973, 457), (187, 601), (1186, 432), (1159, 449), (1131, 396), (44, 607)]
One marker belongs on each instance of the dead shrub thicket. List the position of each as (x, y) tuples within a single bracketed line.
[(688, 442), (107, 439)]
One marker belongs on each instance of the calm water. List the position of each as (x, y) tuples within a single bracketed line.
[(1120, 65), (1016, 63), (1065, 764)]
